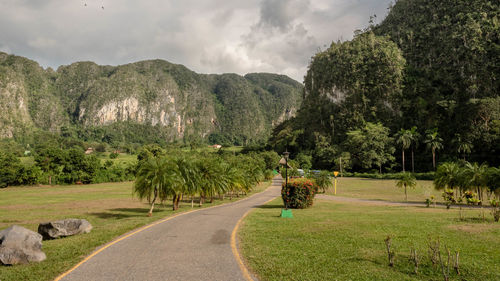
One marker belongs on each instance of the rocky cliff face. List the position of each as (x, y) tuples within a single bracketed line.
[(159, 95)]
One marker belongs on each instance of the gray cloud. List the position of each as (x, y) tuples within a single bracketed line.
[(207, 36), (281, 13)]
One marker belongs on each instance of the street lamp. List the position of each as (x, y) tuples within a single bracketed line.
[(285, 155)]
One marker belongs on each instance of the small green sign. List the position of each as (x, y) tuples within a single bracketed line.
[(286, 213)]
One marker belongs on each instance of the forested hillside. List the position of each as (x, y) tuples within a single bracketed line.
[(142, 102), (423, 80)]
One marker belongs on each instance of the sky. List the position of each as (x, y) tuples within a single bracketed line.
[(207, 36)]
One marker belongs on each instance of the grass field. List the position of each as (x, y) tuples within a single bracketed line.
[(345, 241), (110, 208), (384, 190), (123, 158)]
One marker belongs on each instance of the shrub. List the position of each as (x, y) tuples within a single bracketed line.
[(495, 210), (299, 193), (449, 198), (113, 155), (268, 174), (323, 180)]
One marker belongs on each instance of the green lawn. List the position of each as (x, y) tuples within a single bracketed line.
[(110, 208), (384, 190), (345, 241), (123, 158)]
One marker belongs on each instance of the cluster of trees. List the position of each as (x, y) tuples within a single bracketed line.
[(422, 81), (53, 165), (467, 181), (162, 174), (371, 146)]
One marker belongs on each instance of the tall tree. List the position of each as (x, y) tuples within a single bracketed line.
[(404, 138), (464, 146), (434, 143), (370, 146), (414, 136)]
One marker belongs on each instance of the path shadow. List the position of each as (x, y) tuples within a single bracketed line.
[(104, 215), (269, 206), (131, 210)]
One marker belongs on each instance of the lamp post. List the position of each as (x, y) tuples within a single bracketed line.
[(285, 155)]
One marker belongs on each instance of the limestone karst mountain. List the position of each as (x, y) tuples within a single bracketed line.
[(152, 97)]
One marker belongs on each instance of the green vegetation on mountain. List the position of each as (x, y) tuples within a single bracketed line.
[(142, 102), (430, 68)]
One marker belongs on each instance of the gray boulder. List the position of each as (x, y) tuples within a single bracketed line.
[(19, 245), (63, 228)]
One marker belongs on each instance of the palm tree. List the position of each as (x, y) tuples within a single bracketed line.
[(404, 138), (157, 178), (449, 175), (476, 176), (323, 180), (234, 178), (493, 180), (406, 180), (189, 174), (414, 135), (434, 142), (211, 177), (464, 146)]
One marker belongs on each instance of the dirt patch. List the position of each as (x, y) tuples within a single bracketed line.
[(474, 228)]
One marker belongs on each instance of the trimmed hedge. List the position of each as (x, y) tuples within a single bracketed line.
[(299, 193)]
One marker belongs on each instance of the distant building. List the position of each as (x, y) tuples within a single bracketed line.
[(89, 150), (216, 146)]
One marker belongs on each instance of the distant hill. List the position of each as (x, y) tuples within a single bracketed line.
[(142, 101)]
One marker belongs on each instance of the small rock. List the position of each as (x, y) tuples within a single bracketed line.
[(63, 228), (19, 245)]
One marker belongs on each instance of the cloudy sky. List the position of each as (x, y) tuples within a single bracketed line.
[(208, 36)]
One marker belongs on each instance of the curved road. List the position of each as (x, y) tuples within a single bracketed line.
[(191, 246)]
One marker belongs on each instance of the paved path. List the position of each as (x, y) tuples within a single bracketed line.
[(193, 246)]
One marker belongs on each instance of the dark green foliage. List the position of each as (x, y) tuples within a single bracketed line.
[(370, 146), (9, 169), (271, 159), (451, 49), (113, 155), (304, 161), (430, 65), (13, 172), (298, 194)]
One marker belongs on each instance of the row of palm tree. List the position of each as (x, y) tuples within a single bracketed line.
[(464, 176), (162, 177), (409, 138)]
